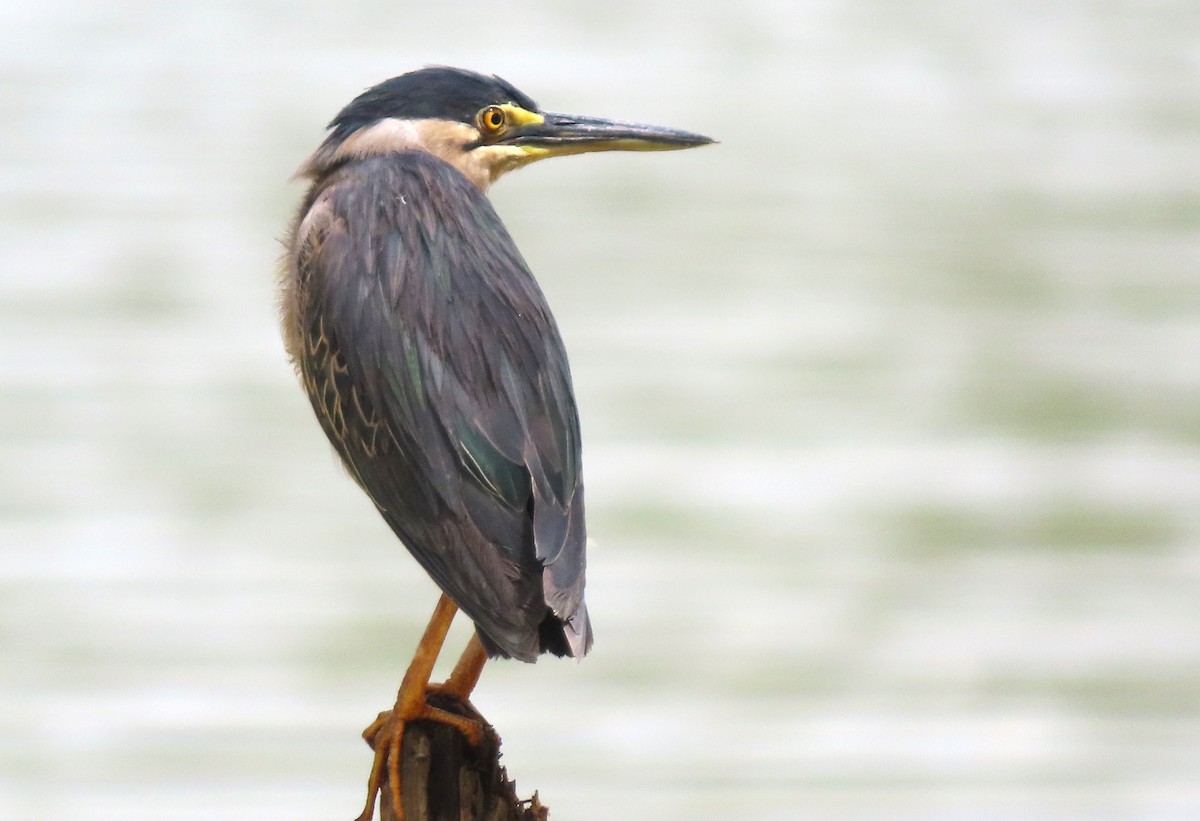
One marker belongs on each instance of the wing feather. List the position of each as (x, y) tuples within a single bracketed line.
[(437, 371)]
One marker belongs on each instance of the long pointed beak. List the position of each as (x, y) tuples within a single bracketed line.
[(561, 134)]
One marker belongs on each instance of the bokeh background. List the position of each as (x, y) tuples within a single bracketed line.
[(891, 407)]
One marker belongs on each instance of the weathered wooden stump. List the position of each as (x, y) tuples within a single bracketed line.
[(446, 779)]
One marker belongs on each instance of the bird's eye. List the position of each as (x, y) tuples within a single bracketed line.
[(491, 119)]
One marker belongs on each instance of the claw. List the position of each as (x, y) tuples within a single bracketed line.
[(385, 735), (386, 738)]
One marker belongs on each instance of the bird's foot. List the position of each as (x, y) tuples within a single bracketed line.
[(450, 689), (385, 736)]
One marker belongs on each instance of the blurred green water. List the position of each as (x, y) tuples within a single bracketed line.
[(890, 408)]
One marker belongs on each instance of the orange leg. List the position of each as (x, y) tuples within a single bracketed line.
[(386, 733), (466, 673)]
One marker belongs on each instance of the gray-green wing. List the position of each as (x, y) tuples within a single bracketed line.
[(443, 382)]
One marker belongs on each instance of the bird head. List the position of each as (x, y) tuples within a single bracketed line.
[(480, 124)]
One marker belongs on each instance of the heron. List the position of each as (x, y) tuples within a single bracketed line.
[(435, 368)]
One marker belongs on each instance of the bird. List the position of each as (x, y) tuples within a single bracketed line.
[(435, 368)]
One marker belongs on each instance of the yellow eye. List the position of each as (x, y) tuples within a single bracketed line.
[(491, 119)]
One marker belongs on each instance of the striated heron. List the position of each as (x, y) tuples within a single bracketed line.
[(436, 370)]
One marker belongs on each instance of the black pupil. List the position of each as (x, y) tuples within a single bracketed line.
[(494, 118)]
